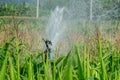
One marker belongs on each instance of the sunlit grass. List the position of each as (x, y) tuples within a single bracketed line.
[(95, 58), (76, 65)]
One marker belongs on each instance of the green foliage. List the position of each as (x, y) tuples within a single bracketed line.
[(103, 75), (12, 71), (10, 9), (80, 67), (102, 8), (3, 69), (76, 65)]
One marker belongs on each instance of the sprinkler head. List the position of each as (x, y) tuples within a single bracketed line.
[(48, 49), (47, 42)]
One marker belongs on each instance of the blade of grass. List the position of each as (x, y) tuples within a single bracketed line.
[(66, 60), (47, 69), (84, 62), (3, 69), (88, 67), (30, 70), (68, 72), (12, 71), (17, 63), (103, 75), (39, 77), (80, 69), (54, 71), (58, 60)]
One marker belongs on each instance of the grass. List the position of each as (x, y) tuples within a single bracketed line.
[(76, 65), (96, 58)]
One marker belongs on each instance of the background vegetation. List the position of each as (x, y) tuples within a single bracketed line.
[(28, 8), (94, 49)]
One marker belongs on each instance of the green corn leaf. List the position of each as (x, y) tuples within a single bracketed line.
[(3, 69), (103, 68), (68, 71), (12, 71), (80, 68)]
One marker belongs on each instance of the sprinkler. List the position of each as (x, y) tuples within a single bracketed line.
[(48, 49)]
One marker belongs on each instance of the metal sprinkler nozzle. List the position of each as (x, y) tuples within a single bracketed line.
[(48, 49)]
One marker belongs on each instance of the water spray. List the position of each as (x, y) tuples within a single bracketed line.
[(55, 28)]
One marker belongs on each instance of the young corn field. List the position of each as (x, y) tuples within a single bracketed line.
[(96, 59), (83, 34)]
